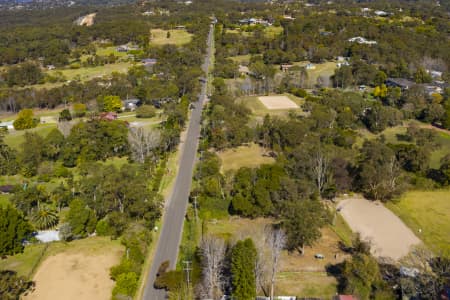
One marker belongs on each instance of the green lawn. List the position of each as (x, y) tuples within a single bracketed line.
[(437, 155), (15, 138), (178, 37), (325, 70), (429, 212), (315, 284), (244, 156), (25, 263), (241, 59)]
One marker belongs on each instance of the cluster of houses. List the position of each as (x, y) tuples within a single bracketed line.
[(437, 87), (126, 48)]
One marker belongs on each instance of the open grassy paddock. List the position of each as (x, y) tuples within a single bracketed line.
[(178, 37), (250, 156), (303, 276), (325, 70), (427, 211), (15, 138), (88, 73), (260, 110)]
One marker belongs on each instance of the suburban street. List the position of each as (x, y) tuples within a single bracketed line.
[(176, 204)]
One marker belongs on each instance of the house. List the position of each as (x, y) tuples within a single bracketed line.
[(107, 116), (158, 103), (149, 63), (381, 13), (285, 67), (131, 104), (433, 89), (402, 83), (180, 27), (8, 125), (122, 48), (310, 66), (148, 13), (244, 70), (409, 272), (287, 17), (50, 67), (343, 63), (435, 74), (6, 189), (361, 40), (326, 33)]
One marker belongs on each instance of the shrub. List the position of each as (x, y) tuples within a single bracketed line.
[(65, 115), (126, 285), (25, 120), (145, 111), (102, 228), (79, 110)]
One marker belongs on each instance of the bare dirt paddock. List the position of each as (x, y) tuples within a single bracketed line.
[(75, 276), (388, 235), (278, 102)]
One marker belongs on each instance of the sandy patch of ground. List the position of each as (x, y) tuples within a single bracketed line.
[(87, 20), (277, 102), (389, 236), (75, 277)]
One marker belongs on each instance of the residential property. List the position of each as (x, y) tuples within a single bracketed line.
[(285, 67), (361, 40), (131, 104), (108, 116), (310, 66), (402, 83), (149, 63)]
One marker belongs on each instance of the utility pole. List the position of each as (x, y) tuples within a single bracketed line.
[(195, 209), (187, 268)]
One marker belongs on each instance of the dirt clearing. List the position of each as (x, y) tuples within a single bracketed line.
[(278, 102), (388, 235), (76, 274)]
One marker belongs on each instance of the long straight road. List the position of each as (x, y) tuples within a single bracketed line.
[(170, 237)]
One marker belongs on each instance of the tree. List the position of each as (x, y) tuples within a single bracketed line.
[(44, 218), (302, 222), (8, 161), (362, 278), (212, 251), (243, 259), (25, 120), (109, 103), (13, 286), (145, 111), (53, 144), (31, 155), (126, 286), (14, 229), (65, 115), (81, 218), (276, 240), (79, 110), (143, 143)]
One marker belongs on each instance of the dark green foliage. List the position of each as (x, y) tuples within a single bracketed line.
[(13, 286), (28, 197), (54, 142), (253, 190), (65, 115), (8, 162), (14, 229), (243, 260), (171, 280), (95, 140), (378, 171), (24, 74), (145, 111), (302, 222), (81, 218), (44, 218), (32, 153), (362, 278)]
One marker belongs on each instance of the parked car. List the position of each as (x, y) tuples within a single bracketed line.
[(319, 256)]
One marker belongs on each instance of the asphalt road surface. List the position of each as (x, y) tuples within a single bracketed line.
[(170, 237)]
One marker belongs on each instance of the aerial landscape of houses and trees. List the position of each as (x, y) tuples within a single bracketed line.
[(222, 149)]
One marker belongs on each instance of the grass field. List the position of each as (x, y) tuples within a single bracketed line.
[(15, 138), (4, 200), (178, 37), (244, 156), (24, 263), (269, 31), (303, 276), (260, 110), (241, 59), (88, 73), (325, 70), (429, 212)]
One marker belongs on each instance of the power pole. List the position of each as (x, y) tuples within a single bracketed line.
[(195, 208), (187, 268)]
